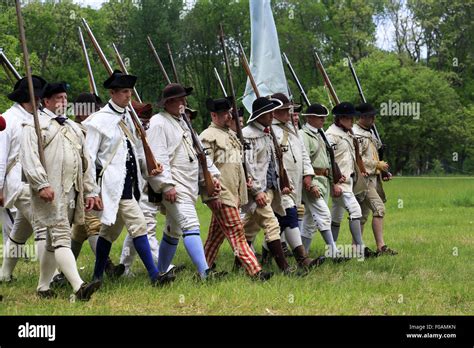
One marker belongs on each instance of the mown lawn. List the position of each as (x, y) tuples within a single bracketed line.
[(430, 221)]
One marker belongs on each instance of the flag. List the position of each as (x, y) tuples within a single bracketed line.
[(265, 59)]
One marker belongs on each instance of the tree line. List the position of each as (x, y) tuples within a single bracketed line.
[(423, 86)]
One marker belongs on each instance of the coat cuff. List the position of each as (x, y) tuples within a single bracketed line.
[(167, 187), (42, 186)]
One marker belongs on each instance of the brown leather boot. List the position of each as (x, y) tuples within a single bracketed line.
[(304, 261), (278, 255)]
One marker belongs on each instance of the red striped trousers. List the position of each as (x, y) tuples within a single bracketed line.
[(226, 223)]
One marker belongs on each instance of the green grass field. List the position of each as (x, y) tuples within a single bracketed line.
[(430, 221)]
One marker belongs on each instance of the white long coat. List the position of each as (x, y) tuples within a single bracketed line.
[(296, 160), (103, 136), (171, 143), (10, 140), (67, 166)]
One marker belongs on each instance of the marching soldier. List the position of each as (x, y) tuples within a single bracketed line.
[(144, 113), (61, 190), (300, 172), (84, 105), (265, 197), (225, 150), (118, 159), (317, 213), (172, 145), (343, 141), (150, 209), (375, 197), (14, 190)]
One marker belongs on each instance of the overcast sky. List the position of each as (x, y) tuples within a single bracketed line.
[(385, 32)]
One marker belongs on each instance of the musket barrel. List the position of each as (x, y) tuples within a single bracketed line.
[(297, 81), (219, 81), (173, 67), (325, 76), (4, 60), (30, 82), (99, 51), (158, 60), (92, 85), (238, 128), (125, 70)]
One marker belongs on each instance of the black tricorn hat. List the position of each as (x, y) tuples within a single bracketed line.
[(86, 103), (366, 109), (287, 104), (263, 105), (219, 105), (317, 110), (20, 92), (344, 109), (54, 88), (120, 80), (88, 98), (173, 90)]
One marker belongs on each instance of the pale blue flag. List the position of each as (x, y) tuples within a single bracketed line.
[(265, 59)]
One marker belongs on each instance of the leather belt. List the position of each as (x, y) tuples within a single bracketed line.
[(321, 171)]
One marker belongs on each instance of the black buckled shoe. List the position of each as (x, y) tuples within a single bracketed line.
[(262, 276), (178, 269), (87, 289), (385, 250), (114, 272), (46, 294), (368, 253), (317, 261), (165, 278), (292, 271), (212, 275), (59, 281)]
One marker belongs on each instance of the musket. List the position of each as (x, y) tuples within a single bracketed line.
[(29, 78), (173, 67), (282, 173), (336, 171), (385, 174), (151, 163), (90, 75), (219, 81), (158, 60), (333, 94), (235, 110), (9, 68), (124, 69), (200, 153)]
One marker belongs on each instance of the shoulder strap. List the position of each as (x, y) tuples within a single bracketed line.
[(110, 158), (126, 131), (128, 134)]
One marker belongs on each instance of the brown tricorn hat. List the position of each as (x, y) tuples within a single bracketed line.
[(287, 104), (173, 90)]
